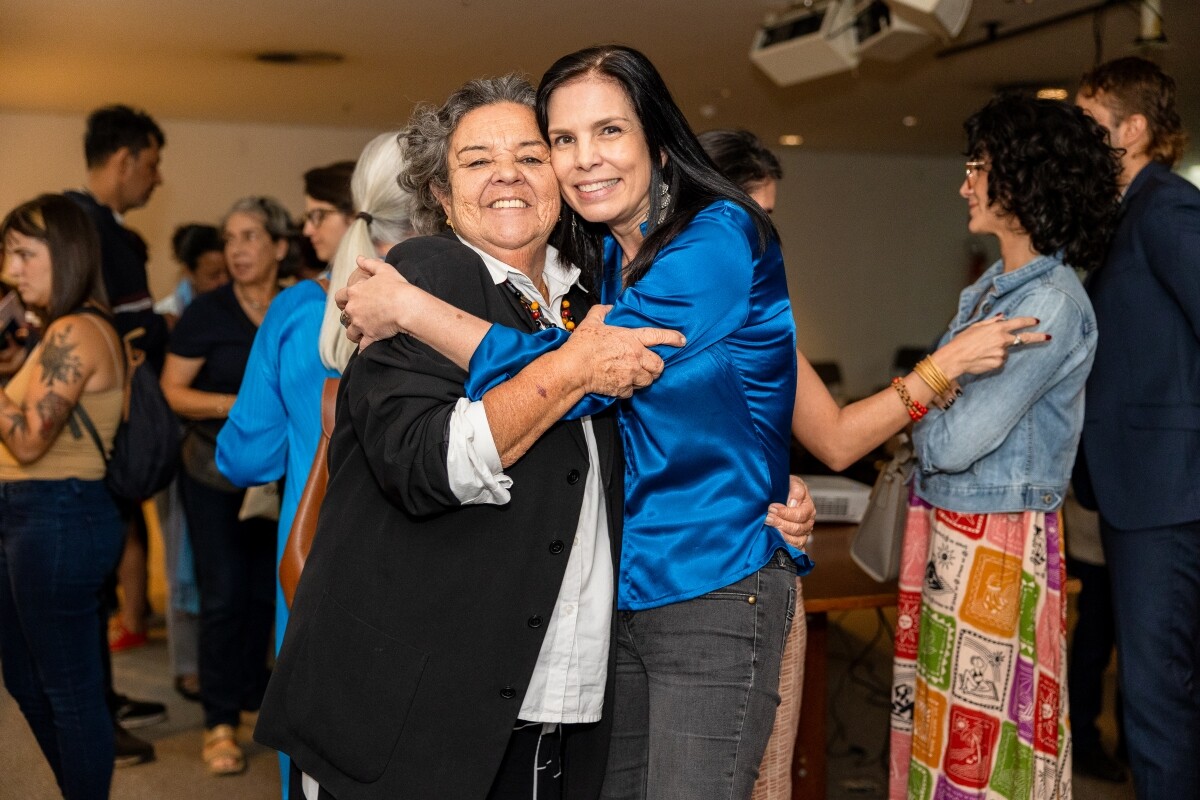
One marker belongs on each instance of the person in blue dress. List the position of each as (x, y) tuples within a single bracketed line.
[(275, 424), (706, 586)]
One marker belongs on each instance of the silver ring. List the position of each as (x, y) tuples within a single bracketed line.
[(345, 320), (1015, 342)]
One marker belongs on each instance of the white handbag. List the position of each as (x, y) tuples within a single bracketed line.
[(876, 544)]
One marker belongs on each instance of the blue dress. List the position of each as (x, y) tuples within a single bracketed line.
[(274, 426), (706, 445)]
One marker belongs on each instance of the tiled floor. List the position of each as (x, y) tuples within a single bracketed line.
[(860, 664)]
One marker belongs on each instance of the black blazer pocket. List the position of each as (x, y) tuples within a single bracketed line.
[(351, 690), (1185, 417)]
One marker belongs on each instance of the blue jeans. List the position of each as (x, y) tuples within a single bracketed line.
[(1155, 575), (697, 685), (59, 540)]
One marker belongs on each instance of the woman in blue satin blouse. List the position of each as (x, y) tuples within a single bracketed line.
[(706, 586)]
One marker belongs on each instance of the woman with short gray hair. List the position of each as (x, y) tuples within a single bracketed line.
[(448, 637), (235, 559)]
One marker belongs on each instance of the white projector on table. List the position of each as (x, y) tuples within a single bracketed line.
[(838, 499)]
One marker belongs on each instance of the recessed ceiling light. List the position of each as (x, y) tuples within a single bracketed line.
[(791, 140), (909, 122), (305, 57), (1052, 93)]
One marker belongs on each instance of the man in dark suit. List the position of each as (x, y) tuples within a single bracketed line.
[(1139, 460)]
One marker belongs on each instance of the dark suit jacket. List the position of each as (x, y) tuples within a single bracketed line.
[(417, 622), (1139, 458)]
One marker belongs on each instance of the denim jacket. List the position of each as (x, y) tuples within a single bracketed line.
[(1009, 442)]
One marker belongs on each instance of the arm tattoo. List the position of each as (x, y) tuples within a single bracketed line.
[(54, 410), (59, 360), (19, 424)]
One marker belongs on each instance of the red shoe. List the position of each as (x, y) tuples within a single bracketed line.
[(121, 638)]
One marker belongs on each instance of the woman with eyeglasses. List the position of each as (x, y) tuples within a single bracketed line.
[(979, 686), (328, 207), (275, 425), (234, 558)]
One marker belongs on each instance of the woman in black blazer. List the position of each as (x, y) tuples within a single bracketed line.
[(421, 617)]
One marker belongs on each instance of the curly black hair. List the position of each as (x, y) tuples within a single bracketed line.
[(1050, 167)]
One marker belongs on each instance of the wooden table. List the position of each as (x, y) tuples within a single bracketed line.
[(837, 584)]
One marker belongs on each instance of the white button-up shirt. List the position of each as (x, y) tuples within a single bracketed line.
[(567, 685)]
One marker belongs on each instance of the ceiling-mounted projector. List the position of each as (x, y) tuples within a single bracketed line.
[(885, 36), (943, 18), (808, 44)]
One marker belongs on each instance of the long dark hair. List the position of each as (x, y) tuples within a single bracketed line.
[(1051, 167), (690, 177), (74, 247)]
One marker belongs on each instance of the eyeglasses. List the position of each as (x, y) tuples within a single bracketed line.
[(317, 215), (974, 167)]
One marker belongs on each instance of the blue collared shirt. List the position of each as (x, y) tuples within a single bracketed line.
[(706, 445), (1009, 442)]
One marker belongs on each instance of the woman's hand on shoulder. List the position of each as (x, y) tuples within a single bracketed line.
[(795, 520), (615, 361), (983, 346), (374, 302)]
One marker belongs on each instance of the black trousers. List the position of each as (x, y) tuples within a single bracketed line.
[(235, 572)]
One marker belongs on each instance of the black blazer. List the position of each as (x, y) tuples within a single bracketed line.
[(417, 623), (1139, 458)]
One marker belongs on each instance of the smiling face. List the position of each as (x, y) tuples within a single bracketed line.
[(27, 265), (503, 198), (252, 254), (984, 216), (600, 155)]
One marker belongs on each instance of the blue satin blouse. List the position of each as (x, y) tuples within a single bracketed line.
[(706, 445)]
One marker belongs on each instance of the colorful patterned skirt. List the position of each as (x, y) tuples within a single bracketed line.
[(979, 696)]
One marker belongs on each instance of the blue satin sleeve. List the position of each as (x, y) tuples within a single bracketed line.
[(700, 285)]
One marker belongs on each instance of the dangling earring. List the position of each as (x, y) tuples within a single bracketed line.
[(664, 201), (574, 225)]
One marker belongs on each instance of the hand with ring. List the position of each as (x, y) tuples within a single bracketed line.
[(984, 346)]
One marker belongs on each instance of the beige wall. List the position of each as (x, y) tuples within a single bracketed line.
[(206, 166), (876, 250), (875, 245)]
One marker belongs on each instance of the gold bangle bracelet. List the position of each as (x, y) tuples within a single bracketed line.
[(928, 371)]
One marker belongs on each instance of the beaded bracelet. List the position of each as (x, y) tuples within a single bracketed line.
[(915, 409)]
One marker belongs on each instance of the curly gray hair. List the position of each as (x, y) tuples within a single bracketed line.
[(425, 142)]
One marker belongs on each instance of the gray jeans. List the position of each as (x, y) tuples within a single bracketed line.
[(697, 685)]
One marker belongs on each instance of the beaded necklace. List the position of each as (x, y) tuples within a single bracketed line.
[(535, 310)]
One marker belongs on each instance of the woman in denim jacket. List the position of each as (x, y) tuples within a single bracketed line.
[(979, 694)]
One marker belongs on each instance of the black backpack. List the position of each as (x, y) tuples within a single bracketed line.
[(145, 452)]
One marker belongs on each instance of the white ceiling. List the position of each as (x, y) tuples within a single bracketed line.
[(192, 60)]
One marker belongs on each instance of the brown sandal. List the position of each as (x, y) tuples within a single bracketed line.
[(222, 754)]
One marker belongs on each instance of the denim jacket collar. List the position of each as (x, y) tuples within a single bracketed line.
[(977, 300)]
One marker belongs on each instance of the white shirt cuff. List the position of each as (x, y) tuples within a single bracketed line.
[(472, 460)]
